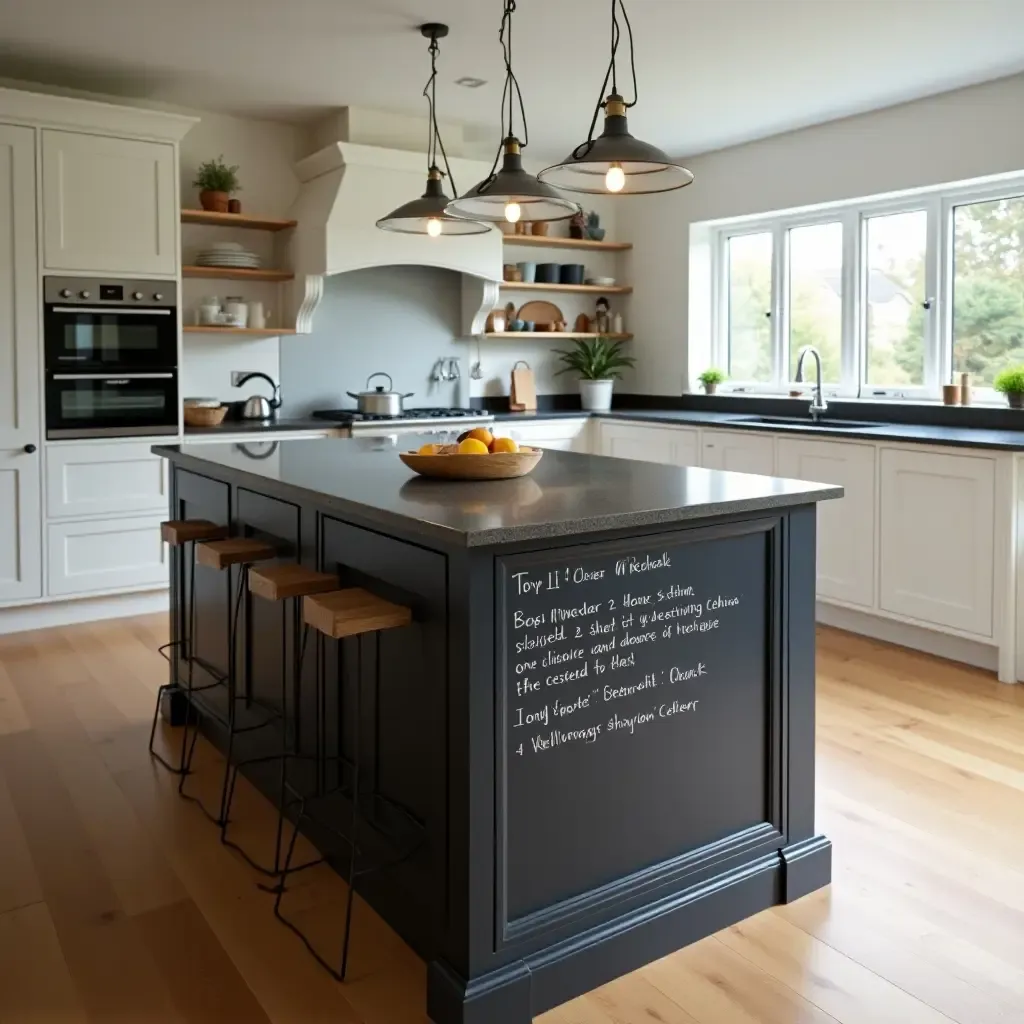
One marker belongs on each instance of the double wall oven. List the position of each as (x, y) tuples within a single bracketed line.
[(111, 357)]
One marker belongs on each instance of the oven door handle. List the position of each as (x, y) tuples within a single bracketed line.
[(117, 310), (109, 377)]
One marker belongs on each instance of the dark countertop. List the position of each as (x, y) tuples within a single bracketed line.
[(261, 427), (566, 494), (910, 433)]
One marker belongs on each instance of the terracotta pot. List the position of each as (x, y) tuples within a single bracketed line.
[(539, 227), (1015, 399), (710, 387), (216, 202)]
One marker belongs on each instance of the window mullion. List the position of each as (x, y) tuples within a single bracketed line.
[(780, 306), (937, 255), (853, 281)]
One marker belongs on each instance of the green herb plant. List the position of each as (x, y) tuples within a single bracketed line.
[(216, 176), (711, 376), (1010, 381)]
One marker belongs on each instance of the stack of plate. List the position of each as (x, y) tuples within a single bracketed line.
[(228, 254)]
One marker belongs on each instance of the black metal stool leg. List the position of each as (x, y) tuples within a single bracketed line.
[(353, 837)]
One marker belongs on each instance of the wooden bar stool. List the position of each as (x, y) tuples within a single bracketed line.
[(338, 615), (221, 555), (283, 583), (178, 534)]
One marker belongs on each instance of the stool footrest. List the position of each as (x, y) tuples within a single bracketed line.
[(353, 611)]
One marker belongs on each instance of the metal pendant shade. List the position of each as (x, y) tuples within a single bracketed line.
[(427, 216), (511, 185), (644, 168)]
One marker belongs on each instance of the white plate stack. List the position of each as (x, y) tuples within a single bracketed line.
[(228, 254)]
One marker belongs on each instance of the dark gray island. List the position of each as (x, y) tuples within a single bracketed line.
[(601, 717)]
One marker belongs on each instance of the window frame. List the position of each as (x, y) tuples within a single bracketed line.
[(939, 203)]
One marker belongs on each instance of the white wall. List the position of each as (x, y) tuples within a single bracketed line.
[(955, 136)]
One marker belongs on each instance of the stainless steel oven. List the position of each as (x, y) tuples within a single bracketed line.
[(103, 326), (102, 405)]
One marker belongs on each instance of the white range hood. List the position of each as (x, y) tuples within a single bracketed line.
[(346, 188)]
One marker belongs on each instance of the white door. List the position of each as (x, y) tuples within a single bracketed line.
[(641, 443), (20, 528), (108, 205), (739, 451), (936, 524), (846, 527)]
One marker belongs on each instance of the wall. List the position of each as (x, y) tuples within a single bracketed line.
[(951, 137)]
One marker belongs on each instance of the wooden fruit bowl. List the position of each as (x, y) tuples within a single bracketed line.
[(498, 466)]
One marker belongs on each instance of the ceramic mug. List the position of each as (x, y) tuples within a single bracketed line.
[(528, 271), (258, 316), (237, 308)]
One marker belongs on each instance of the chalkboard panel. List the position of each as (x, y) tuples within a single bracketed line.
[(635, 684)]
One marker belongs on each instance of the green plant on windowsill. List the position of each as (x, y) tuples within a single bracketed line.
[(1011, 383), (599, 363), (216, 181), (711, 378)]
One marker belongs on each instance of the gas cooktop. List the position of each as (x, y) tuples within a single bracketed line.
[(431, 414)]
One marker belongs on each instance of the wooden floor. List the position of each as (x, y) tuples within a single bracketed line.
[(117, 903)]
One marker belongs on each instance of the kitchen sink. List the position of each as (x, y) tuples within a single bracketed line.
[(804, 421)]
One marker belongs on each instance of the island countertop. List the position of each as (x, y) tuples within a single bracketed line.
[(567, 494)]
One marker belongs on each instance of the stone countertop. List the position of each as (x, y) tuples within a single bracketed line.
[(909, 433), (567, 494), (232, 427)]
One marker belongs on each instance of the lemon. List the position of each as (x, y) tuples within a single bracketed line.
[(472, 446), (428, 449), (504, 444)]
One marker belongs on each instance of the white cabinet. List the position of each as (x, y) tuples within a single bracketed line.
[(566, 434), (111, 478), (107, 554), (846, 526), (20, 529), (109, 205), (673, 446), (937, 520), (739, 451)]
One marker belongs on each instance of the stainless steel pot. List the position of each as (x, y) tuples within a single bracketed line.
[(377, 401)]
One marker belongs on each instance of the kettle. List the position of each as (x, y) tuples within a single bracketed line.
[(257, 407)]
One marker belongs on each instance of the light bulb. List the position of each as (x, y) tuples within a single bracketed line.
[(615, 179), (433, 227), (512, 212)]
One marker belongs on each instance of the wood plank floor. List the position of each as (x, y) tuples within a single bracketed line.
[(112, 889)]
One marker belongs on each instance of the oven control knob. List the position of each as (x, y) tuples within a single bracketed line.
[(137, 296), (158, 297), (65, 293), (84, 294)]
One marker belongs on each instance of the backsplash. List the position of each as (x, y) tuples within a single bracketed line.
[(208, 361)]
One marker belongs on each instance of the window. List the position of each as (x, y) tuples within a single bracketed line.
[(988, 288), (816, 295), (897, 295), (896, 309), (749, 307)]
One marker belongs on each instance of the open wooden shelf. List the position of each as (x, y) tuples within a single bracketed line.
[(555, 335), (587, 289), (237, 273), (235, 220), (567, 243), (248, 332)]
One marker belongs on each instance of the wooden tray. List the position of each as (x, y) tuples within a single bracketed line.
[(540, 312), (500, 466)]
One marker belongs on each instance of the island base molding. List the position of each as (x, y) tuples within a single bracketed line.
[(520, 991)]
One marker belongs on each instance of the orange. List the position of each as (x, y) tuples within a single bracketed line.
[(504, 444), (472, 446), (481, 434), (429, 449)]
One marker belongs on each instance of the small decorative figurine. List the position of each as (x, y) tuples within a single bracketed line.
[(578, 226), (603, 320), (594, 230)]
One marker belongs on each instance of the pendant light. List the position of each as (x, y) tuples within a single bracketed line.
[(511, 194), (426, 215), (615, 163)]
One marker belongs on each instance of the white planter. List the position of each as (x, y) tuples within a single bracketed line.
[(596, 395)]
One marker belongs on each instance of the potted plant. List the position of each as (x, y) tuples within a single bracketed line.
[(1011, 383), (216, 181), (598, 362), (711, 378)]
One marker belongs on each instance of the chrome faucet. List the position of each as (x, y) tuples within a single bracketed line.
[(818, 403)]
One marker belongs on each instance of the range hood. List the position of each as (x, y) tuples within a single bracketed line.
[(347, 186)]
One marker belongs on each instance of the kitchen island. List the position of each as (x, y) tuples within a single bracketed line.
[(601, 718)]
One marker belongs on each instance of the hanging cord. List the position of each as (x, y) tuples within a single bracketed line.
[(434, 140), (611, 75), (511, 94)]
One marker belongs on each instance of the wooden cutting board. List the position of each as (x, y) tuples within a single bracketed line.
[(540, 312), (523, 393)]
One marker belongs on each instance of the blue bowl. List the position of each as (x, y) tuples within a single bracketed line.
[(517, 325)]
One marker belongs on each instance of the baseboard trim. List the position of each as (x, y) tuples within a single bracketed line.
[(89, 609), (931, 641)]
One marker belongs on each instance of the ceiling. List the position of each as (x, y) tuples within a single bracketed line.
[(712, 72)]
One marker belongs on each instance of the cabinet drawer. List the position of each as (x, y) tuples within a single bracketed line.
[(739, 451), (104, 479), (562, 434), (105, 554)]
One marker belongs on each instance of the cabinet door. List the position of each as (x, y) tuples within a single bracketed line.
[(108, 204), (936, 525), (105, 554), (739, 451), (687, 446), (846, 527), (104, 479), (642, 443), (20, 529), (559, 434)]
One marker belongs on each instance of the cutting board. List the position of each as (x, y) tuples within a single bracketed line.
[(523, 392)]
